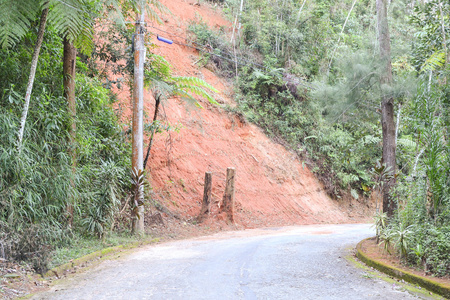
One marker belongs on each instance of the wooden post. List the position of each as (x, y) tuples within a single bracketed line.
[(206, 205), (228, 196)]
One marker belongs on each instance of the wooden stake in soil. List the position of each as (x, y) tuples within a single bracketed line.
[(206, 205), (228, 197)]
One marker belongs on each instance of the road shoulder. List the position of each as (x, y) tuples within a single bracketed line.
[(430, 284)]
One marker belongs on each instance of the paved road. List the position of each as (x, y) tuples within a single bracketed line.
[(305, 262)]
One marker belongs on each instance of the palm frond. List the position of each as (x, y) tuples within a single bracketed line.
[(185, 95), (15, 19), (161, 87), (407, 143), (194, 81), (159, 68), (74, 20), (434, 62), (199, 91)]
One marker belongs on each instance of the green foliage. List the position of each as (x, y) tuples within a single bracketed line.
[(434, 62), (344, 152), (32, 243), (386, 237), (431, 25), (335, 124), (70, 18), (80, 245), (104, 199), (15, 20), (73, 19), (431, 122), (401, 237), (185, 87), (432, 248), (396, 235), (419, 252), (37, 186), (380, 221), (159, 79), (216, 48), (138, 184), (420, 229)]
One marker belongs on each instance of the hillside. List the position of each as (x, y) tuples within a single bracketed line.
[(273, 187)]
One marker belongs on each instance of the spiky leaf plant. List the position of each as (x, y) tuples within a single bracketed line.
[(138, 183)]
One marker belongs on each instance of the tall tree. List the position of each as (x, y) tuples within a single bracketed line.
[(69, 18), (69, 60), (34, 61), (387, 106)]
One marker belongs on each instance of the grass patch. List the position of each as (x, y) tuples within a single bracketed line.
[(81, 246)]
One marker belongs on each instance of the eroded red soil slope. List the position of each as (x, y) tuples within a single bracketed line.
[(273, 186)]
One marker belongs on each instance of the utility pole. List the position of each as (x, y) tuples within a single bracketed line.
[(138, 113)]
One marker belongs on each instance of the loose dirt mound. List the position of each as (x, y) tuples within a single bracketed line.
[(273, 186)]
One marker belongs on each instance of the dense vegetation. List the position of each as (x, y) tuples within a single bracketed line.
[(39, 182), (309, 73), (69, 179)]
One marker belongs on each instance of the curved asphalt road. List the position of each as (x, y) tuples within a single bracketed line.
[(306, 262)]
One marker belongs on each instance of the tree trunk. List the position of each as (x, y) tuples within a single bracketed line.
[(155, 117), (228, 197), (340, 35), (387, 107), (34, 60), (206, 204), (137, 159), (69, 60), (300, 10)]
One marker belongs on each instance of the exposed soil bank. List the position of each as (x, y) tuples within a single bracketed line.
[(273, 187)]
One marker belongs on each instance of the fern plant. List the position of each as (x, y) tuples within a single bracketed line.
[(73, 19), (70, 18), (15, 20), (159, 79)]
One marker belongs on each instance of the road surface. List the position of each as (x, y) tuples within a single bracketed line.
[(304, 262)]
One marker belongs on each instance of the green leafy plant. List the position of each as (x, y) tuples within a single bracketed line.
[(401, 236), (381, 174), (138, 183), (380, 222), (159, 78), (387, 238), (419, 252), (104, 203)]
